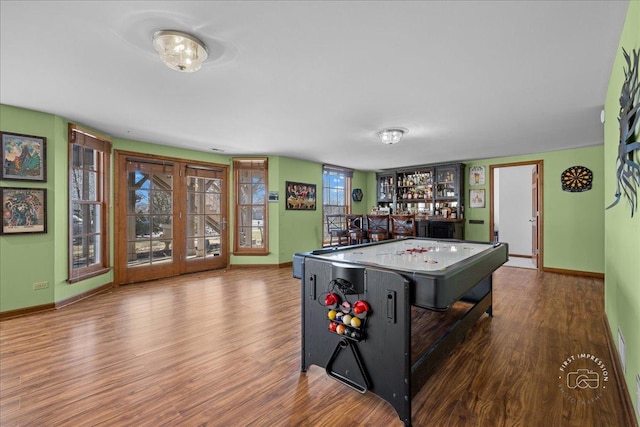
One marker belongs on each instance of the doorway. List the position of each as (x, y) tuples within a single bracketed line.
[(516, 210), (170, 217)]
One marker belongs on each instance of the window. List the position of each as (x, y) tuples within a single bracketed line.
[(88, 203), (250, 234), (336, 189)]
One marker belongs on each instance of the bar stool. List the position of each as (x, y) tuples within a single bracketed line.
[(403, 226), (355, 228), (378, 227)]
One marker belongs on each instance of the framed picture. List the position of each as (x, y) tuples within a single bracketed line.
[(24, 210), (24, 157), (476, 175), (274, 196), (300, 196), (476, 198)]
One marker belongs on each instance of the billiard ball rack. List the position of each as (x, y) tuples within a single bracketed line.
[(350, 382), (346, 321), (350, 332)]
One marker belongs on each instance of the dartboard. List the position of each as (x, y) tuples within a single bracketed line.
[(576, 179)]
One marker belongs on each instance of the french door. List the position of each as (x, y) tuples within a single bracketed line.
[(170, 217), (206, 225)]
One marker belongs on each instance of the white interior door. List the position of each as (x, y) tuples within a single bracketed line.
[(516, 208), (534, 215)]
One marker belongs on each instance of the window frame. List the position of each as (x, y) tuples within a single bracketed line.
[(332, 209), (239, 166), (85, 138)]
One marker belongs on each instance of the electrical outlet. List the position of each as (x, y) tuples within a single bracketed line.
[(622, 352), (40, 285)]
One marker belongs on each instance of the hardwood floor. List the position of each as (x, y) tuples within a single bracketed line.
[(223, 349)]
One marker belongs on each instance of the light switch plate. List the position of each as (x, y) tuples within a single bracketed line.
[(622, 352), (638, 393)]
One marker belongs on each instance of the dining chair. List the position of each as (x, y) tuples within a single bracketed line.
[(403, 226), (336, 228), (355, 228), (377, 227)]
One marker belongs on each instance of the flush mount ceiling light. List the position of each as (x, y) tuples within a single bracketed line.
[(180, 51), (391, 135)]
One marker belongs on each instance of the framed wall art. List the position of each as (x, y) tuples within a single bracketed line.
[(300, 196), (24, 157), (476, 198), (24, 210), (476, 175)]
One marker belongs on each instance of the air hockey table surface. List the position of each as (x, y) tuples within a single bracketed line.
[(441, 271)]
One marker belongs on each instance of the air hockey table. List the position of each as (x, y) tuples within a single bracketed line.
[(378, 284)]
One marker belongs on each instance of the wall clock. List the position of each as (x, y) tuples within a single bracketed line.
[(576, 179)]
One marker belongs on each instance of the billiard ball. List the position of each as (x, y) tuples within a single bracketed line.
[(340, 329), (355, 322), (333, 326), (332, 314), (346, 319), (339, 315)]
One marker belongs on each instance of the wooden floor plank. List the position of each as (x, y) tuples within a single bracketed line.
[(223, 349)]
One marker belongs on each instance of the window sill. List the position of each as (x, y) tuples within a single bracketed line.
[(89, 274), (251, 253)]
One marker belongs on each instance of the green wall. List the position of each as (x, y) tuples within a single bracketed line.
[(622, 233), (299, 230), (26, 259), (289, 231), (573, 223), (573, 229), (302, 230)]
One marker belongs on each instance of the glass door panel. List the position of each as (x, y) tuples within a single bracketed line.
[(149, 234), (206, 224)]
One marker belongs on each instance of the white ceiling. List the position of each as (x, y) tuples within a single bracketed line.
[(316, 80)]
